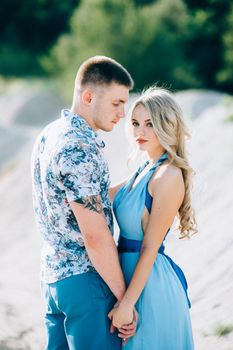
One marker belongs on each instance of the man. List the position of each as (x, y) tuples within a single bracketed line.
[(80, 273)]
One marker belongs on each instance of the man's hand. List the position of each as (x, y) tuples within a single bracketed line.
[(128, 331), (120, 316)]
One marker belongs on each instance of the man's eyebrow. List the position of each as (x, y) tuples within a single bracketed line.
[(119, 100)]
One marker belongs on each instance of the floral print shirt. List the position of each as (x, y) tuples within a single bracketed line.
[(67, 164)]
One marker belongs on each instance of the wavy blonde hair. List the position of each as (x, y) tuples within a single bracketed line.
[(172, 132)]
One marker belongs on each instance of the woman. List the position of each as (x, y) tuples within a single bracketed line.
[(145, 208)]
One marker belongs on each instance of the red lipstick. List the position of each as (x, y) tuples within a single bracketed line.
[(141, 141)]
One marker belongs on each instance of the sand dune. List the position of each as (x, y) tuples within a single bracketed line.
[(207, 259)]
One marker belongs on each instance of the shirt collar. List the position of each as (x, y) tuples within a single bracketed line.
[(81, 124)]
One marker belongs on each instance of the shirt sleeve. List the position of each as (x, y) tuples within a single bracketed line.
[(80, 172)]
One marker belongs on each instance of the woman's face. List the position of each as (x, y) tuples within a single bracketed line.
[(143, 132)]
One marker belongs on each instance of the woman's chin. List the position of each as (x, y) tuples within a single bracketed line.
[(142, 148)]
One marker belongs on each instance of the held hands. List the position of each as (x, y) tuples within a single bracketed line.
[(121, 314), (124, 317)]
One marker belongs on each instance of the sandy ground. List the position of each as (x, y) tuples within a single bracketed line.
[(207, 259)]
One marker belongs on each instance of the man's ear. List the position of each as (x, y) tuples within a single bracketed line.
[(87, 96)]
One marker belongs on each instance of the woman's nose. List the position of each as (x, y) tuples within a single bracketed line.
[(141, 131)]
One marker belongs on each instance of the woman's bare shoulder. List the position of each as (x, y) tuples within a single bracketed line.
[(167, 175)]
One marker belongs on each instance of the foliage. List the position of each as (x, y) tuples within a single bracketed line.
[(208, 37), (143, 2), (28, 29), (225, 74), (179, 43), (147, 40)]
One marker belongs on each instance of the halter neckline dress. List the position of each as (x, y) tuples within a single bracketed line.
[(163, 306)]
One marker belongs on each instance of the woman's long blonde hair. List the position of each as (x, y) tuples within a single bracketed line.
[(172, 132)]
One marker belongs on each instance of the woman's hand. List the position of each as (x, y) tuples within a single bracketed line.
[(128, 331), (121, 315)]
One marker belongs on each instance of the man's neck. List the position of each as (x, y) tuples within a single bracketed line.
[(79, 111)]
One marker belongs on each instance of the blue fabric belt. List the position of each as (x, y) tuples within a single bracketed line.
[(126, 245)]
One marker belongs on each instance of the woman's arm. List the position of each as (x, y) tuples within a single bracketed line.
[(168, 193)]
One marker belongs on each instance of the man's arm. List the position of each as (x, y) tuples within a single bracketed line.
[(99, 242), (102, 251), (83, 193)]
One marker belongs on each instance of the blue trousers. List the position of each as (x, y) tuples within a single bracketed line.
[(76, 315)]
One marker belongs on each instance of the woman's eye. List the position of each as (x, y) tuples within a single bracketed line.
[(150, 125), (115, 104), (135, 124)]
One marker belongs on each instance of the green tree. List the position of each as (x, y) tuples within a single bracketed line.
[(28, 29), (205, 45), (143, 2), (224, 76), (147, 40)]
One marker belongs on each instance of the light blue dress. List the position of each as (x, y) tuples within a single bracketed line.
[(163, 307)]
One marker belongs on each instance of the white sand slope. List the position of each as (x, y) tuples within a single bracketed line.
[(207, 259)]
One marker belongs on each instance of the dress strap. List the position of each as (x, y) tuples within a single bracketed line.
[(149, 198), (163, 157)]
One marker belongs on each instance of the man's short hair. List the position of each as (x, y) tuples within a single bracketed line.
[(102, 70)]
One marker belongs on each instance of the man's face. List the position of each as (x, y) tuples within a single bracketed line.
[(108, 105)]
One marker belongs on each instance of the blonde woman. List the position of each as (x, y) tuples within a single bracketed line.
[(145, 208)]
